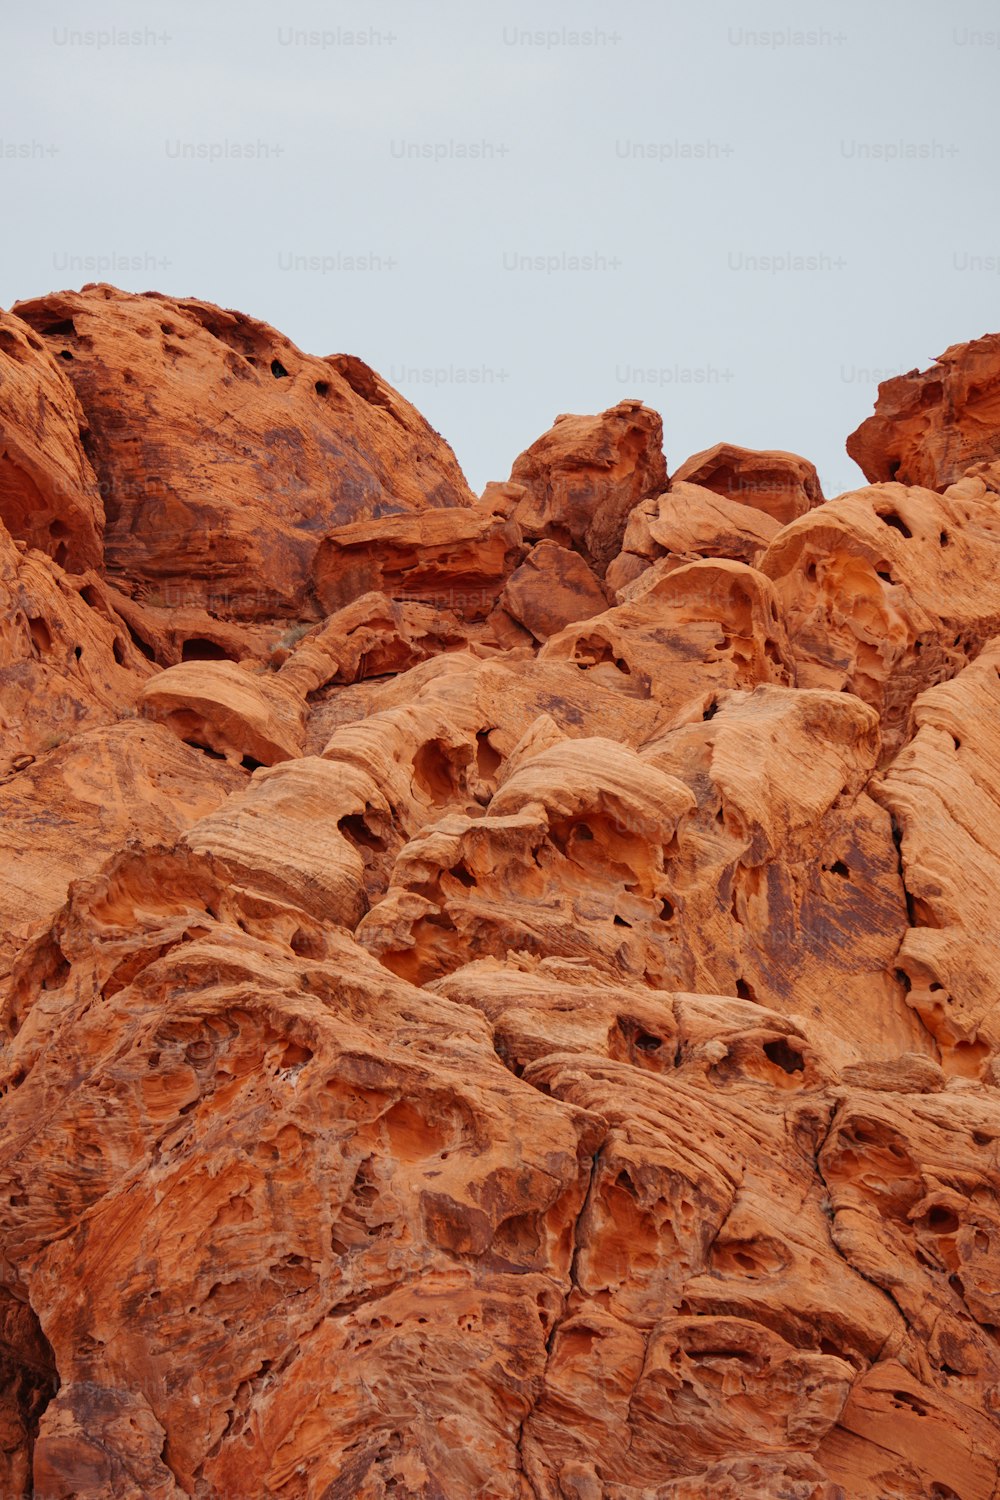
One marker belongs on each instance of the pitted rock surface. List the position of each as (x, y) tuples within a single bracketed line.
[(498, 997)]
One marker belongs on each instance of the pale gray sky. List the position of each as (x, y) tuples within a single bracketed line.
[(561, 205)]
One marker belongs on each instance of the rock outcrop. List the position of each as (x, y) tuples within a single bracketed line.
[(224, 454), (49, 494), (932, 427), (782, 485), (510, 1011), (578, 483)]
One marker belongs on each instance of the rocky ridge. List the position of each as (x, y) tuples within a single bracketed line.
[(497, 994)]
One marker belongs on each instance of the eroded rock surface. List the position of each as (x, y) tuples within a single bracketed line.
[(225, 454), (579, 481), (782, 485), (49, 494), (517, 1016), (931, 427)]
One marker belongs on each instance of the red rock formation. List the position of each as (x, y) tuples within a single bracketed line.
[(67, 660), (552, 588), (49, 495), (886, 591), (454, 559), (931, 427), (542, 1046), (220, 501), (685, 524), (782, 485), (579, 481)]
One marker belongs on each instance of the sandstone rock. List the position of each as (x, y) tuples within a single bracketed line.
[(453, 559), (681, 635), (688, 523), (218, 706), (932, 426), (942, 790), (173, 631), (552, 588), (49, 495), (782, 485), (886, 591), (374, 637), (570, 1069), (72, 809), (224, 454), (67, 661), (583, 477)]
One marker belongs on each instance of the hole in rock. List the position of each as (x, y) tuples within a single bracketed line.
[(941, 1220), (78, 652), (277, 369), (897, 523), (883, 573), (463, 874), (488, 760), (354, 827), (141, 644), (306, 944), (839, 868), (432, 772), (624, 1181), (205, 749), (249, 764), (646, 1042), (118, 650), (711, 710), (666, 909), (65, 354), (745, 991), (65, 328), (944, 538), (322, 388), (197, 648), (621, 922), (784, 1056), (40, 633), (904, 1398)]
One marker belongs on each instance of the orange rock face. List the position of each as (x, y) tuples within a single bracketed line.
[(780, 484), (581, 479), (517, 1016), (931, 427), (221, 501), (49, 494)]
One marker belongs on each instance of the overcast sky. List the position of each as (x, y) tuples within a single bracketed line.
[(745, 214)]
